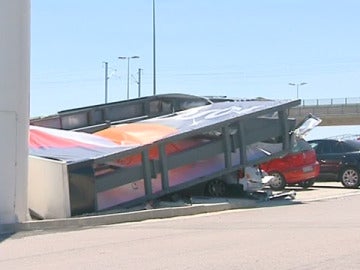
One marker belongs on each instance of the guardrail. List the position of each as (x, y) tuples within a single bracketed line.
[(333, 111), (331, 101)]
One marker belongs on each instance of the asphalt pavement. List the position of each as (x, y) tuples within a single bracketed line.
[(284, 234), (197, 205)]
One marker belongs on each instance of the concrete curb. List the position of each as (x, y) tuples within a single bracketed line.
[(135, 216), (166, 210)]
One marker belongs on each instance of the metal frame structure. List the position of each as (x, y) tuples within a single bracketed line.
[(93, 118), (90, 178)]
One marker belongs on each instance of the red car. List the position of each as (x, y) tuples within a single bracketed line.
[(298, 167)]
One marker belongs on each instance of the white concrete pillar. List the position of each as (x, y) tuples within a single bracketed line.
[(14, 109)]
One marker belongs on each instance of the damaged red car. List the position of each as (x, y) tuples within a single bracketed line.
[(299, 167)]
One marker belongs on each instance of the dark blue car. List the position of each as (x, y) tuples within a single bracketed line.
[(339, 160)]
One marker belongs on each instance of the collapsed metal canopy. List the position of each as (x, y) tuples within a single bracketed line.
[(223, 137), (97, 117)]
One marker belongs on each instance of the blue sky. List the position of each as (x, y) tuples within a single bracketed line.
[(237, 48)]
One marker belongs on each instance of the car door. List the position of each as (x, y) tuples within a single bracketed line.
[(330, 156)]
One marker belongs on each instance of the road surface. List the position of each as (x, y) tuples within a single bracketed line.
[(320, 232)]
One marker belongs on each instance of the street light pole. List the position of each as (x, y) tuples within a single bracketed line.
[(128, 72), (106, 81), (297, 87), (139, 82), (154, 52)]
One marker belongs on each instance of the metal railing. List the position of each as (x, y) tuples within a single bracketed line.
[(333, 111), (331, 101)]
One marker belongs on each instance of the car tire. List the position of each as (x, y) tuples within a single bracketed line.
[(278, 183), (307, 183), (349, 177), (216, 188)]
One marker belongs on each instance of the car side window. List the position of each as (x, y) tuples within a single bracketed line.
[(347, 148), (324, 148), (338, 147)]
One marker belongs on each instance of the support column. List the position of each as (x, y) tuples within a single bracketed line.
[(14, 109)]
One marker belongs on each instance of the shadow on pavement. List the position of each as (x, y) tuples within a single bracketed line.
[(4, 236), (332, 187), (299, 189)]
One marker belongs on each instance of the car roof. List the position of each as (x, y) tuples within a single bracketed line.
[(332, 139), (322, 140)]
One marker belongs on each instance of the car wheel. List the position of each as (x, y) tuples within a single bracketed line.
[(216, 188), (278, 183), (350, 178), (307, 183)]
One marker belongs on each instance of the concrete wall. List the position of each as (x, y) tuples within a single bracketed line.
[(14, 108), (49, 188)]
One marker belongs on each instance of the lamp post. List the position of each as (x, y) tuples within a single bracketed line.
[(139, 82), (297, 87), (106, 81), (128, 70), (154, 50)]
